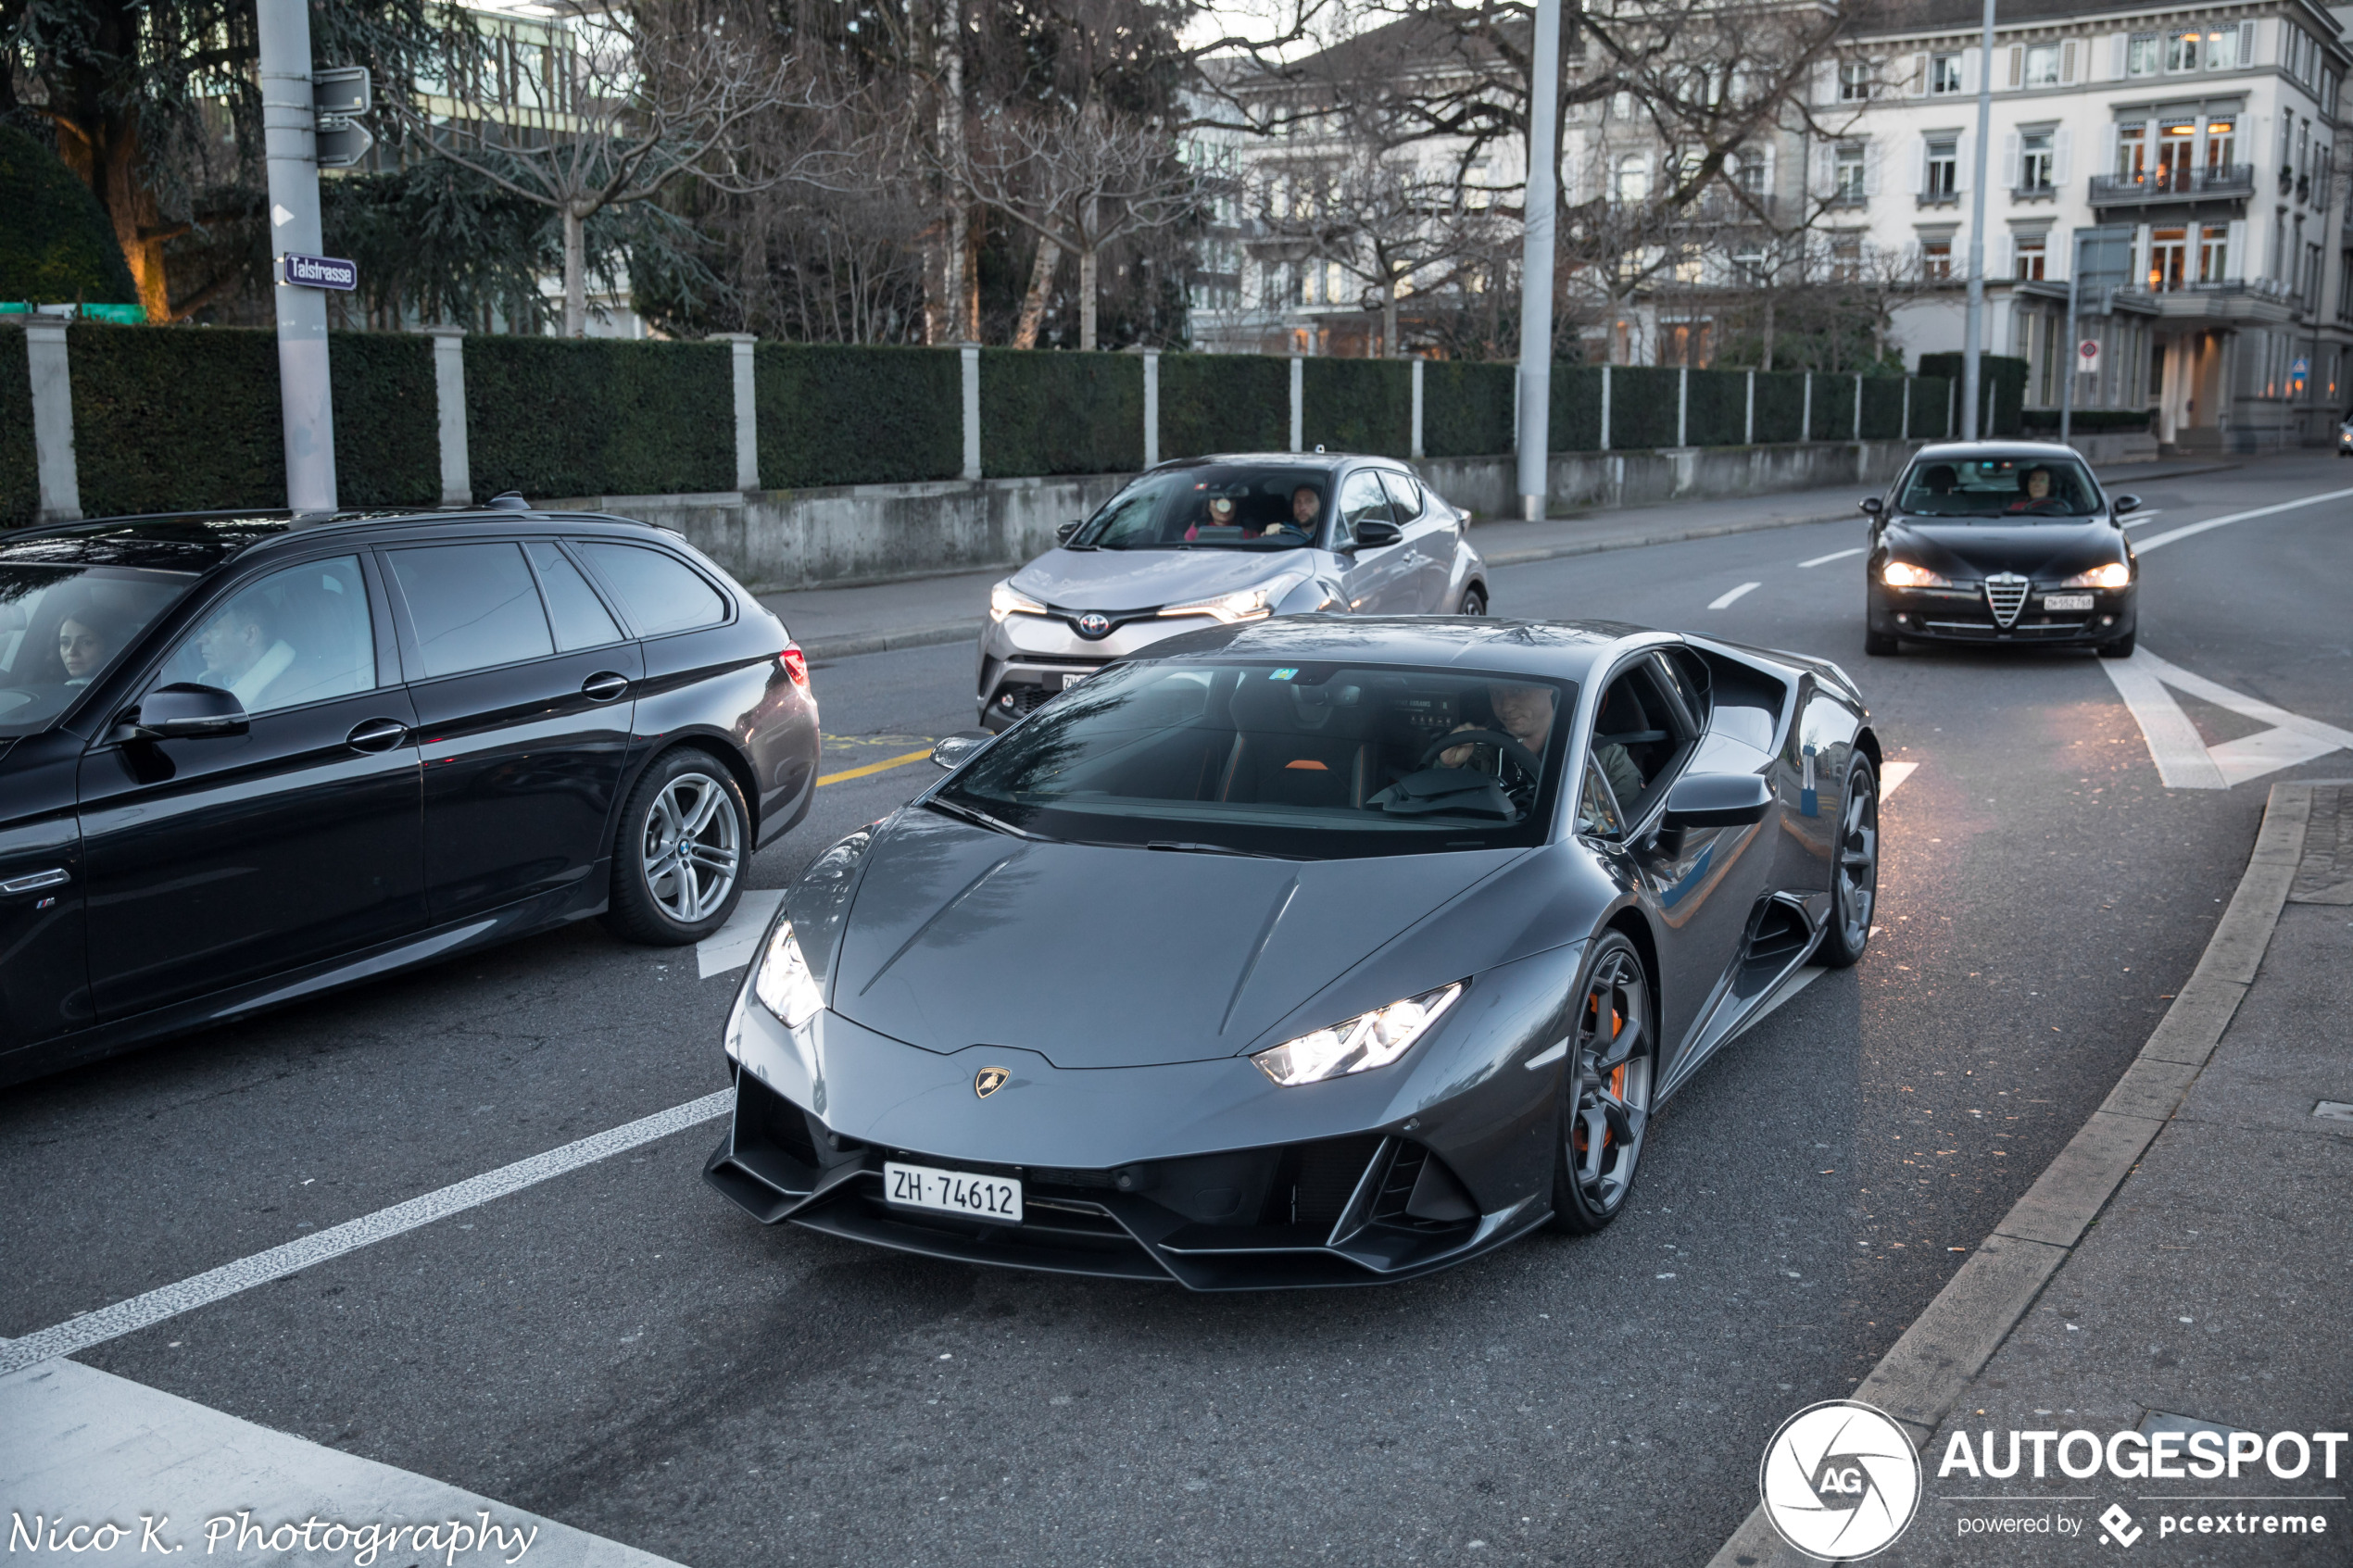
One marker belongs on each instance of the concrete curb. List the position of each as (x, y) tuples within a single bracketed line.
[(1918, 1379), (885, 642), (1676, 536)]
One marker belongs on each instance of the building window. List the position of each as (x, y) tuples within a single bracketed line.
[(1854, 81), (2219, 144), (2223, 49), (2035, 161), (1847, 176), (1751, 264), (2133, 152), (1944, 73), (2344, 286), (1633, 178), (2311, 277), (2214, 253), (2180, 50), (2140, 55), (2029, 249), (1942, 180), (1847, 258), (1936, 258), (2042, 64), (2168, 259), (1748, 173)]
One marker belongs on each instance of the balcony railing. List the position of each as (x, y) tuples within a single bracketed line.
[(2211, 183)]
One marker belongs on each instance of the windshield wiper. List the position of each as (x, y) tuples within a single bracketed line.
[(982, 819), (1176, 847)]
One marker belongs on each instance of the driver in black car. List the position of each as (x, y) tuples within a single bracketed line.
[(2034, 488)]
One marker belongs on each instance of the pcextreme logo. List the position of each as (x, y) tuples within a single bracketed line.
[(1839, 1481)]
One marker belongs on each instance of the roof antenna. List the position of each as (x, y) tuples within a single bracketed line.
[(508, 501)]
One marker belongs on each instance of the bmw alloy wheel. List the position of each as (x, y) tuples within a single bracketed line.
[(692, 847)]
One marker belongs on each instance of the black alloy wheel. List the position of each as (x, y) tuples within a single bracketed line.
[(1474, 600), (1855, 870), (1605, 1090), (678, 859)]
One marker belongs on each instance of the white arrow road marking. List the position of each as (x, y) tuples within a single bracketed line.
[(2144, 545), (730, 947), (1835, 554), (1726, 600), (2184, 760), (1893, 774)]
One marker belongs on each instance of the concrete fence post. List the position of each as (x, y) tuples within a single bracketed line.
[(1805, 414), (971, 353), (1949, 397), (1859, 406), (1907, 408), (747, 408), (450, 399), (1298, 403), (1682, 405), (58, 486), (1605, 407), (1151, 408), (1748, 417), (1414, 448)]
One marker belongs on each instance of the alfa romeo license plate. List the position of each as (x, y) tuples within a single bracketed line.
[(953, 1192), (2066, 601)]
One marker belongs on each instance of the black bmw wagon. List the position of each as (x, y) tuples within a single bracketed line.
[(243, 761)]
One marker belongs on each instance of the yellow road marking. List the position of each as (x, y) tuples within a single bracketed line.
[(883, 766)]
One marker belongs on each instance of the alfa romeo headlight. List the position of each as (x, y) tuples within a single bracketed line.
[(1004, 601), (784, 985), (1247, 604), (1368, 1040), (1904, 574), (2115, 574)]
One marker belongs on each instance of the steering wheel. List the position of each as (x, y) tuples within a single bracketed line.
[(1512, 749)]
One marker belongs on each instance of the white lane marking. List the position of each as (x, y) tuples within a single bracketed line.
[(88, 1446), (2134, 520), (1892, 775), (1835, 554), (2184, 760), (1726, 600), (77, 1335), (730, 947), (2184, 532)]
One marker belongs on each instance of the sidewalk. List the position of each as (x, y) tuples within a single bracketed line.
[(2182, 1266), (917, 612)]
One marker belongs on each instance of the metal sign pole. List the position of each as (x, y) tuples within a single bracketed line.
[(1536, 263), (305, 401), (1974, 332), (2074, 350)]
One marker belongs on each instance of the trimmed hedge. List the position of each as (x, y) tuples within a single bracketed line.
[(1780, 406), (1882, 408), (1833, 408), (2004, 375), (387, 420), (1932, 406), (1467, 408), (833, 413), (20, 477), (1043, 413), (554, 417), (1575, 416), (1358, 406), (1717, 408), (1224, 402), (2087, 420)]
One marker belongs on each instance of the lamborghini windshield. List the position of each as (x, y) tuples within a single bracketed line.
[(1213, 506), (1310, 760), (2028, 487)]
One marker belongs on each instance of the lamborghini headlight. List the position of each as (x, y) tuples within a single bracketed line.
[(2115, 574), (1357, 1045), (1004, 601), (1904, 574), (1248, 604), (784, 985)]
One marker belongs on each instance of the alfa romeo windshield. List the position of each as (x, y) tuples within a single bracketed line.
[(1215, 505), (1309, 761), (2026, 488)]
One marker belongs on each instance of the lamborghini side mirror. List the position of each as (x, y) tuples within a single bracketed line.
[(1717, 800)]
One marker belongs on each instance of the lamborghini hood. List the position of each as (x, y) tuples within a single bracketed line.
[(1104, 957)]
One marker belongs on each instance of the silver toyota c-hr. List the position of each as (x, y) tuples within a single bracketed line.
[(1217, 540)]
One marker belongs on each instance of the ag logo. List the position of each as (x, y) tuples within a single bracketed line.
[(989, 1080), (1839, 1481)]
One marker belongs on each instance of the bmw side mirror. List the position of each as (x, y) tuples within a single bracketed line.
[(1062, 534), (952, 750), (185, 711), (1373, 534), (1717, 800), (1872, 505)]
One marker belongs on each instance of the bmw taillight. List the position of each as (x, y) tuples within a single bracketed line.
[(796, 664)]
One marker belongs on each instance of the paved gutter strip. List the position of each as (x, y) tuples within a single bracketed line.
[(1918, 1379), (888, 642)]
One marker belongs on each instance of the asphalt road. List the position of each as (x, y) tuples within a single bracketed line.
[(619, 1348)]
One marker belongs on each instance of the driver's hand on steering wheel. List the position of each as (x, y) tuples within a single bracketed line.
[(1458, 756)]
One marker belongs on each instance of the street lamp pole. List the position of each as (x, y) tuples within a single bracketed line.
[(1536, 262), (289, 138), (1975, 330), (2074, 293)]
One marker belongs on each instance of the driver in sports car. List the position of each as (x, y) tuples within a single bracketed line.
[(1523, 712)]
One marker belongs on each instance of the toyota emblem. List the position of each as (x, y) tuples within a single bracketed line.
[(1094, 623)]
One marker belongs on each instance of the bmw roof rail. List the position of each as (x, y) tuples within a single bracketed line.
[(507, 501)]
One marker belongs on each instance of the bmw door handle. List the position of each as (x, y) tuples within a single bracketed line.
[(376, 734), (603, 687)]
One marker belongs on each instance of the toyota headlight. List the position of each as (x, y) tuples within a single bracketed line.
[(1904, 574), (1004, 601), (784, 985), (2115, 574), (1248, 604), (1357, 1045)]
